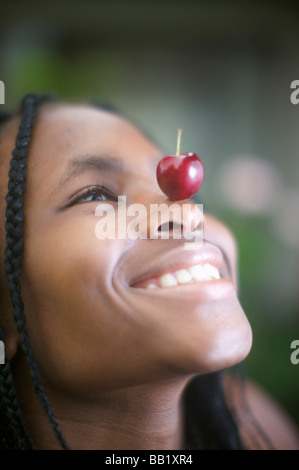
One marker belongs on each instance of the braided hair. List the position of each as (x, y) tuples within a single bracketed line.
[(14, 227), (209, 423), (13, 432)]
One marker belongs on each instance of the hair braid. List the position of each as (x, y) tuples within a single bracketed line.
[(13, 430), (14, 245), (11, 414)]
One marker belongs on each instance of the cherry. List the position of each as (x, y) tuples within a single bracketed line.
[(180, 176)]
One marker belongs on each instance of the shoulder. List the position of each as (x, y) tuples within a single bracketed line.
[(262, 423)]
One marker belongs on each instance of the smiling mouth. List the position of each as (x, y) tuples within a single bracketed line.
[(196, 273)]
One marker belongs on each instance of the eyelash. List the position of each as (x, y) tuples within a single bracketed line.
[(94, 191)]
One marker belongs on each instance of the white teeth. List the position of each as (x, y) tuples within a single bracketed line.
[(212, 271), (199, 272), (168, 280), (183, 276)]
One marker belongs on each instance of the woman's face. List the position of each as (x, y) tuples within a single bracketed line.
[(93, 323)]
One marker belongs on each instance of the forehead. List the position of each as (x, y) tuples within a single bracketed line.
[(64, 131)]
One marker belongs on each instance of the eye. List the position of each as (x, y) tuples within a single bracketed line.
[(94, 194)]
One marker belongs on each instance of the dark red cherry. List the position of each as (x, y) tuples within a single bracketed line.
[(180, 176)]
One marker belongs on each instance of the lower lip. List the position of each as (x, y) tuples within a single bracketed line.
[(210, 288)]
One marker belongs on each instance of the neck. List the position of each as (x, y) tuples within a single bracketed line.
[(140, 417), (145, 417)]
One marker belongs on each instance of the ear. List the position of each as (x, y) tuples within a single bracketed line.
[(11, 335), (7, 321), (11, 341)]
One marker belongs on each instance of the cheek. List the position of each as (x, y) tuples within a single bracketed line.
[(69, 306)]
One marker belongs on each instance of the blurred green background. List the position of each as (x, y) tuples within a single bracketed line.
[(220, 70)]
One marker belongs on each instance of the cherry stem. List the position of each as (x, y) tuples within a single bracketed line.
[(178, 145)]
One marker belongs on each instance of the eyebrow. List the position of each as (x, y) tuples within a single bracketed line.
[(79, 165)]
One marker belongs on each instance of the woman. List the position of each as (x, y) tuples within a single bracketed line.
[(124, 365)]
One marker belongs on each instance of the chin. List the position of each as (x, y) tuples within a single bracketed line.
[(209, 351), (227, 349)]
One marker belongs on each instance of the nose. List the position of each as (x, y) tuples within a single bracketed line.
[(160, 217), (181, 219)]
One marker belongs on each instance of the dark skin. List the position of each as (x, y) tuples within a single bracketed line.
[(115, 358)]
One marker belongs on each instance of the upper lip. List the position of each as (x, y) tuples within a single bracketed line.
[(179, 258)]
